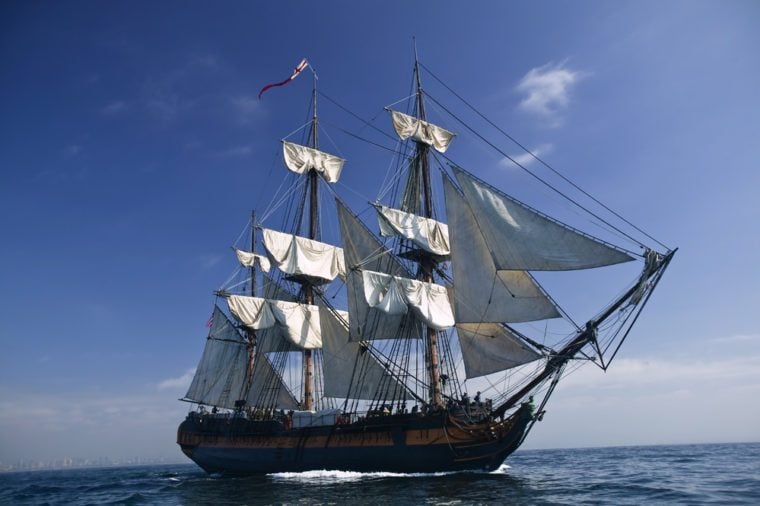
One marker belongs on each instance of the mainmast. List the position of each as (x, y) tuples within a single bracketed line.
[(308, 287), (427, 263)]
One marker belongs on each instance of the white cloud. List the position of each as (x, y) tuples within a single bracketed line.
[(547, 90), (90, 425), (178, 383), (625, 374), (654, 401), (526, 159)]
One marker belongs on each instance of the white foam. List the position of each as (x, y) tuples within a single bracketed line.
[(502, 469), (325, 476)]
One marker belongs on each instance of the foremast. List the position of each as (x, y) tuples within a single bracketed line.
[(250, 333)]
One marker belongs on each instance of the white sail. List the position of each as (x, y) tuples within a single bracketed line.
[(298, 323), (270, 340), (267, 386), (408, 126), (253, 312), (248, 259), (351, 370), (363, 250), (299, 255), (488, 348), (392, 295), (521, 239), (220, 375), (300, 159), (480, 292), (427, 233)]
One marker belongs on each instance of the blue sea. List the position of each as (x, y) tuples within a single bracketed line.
[(685, 474)]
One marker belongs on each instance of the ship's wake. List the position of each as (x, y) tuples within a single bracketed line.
[(325, 476)]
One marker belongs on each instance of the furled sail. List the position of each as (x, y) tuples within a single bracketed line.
[(220, 376), (299, 255), (300, 159), (248, 259), (520, 238), (480, 292), (408, 126), (298, 323), (363, 250), (349, 370), (392, 295), (490, 347), (428, 234)]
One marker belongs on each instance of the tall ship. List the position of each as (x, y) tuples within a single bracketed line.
[(422, 332)]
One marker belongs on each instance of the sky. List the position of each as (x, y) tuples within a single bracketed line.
[(133, 148)]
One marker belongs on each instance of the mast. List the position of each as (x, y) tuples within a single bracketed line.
[(253, 250), (308, 287), (427, 263), (250, 334)]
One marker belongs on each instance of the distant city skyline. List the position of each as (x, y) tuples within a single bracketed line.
[(133, 148)]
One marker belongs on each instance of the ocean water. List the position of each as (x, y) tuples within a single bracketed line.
[(685, 474)]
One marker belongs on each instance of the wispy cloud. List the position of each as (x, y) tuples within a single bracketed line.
[(236, 152), (72, 150), (115, 107), (178, 383), (655, 401), (193, 144), (526, 159), (738, 338), (166, 94), (162, 99), (245, 108), (61, 175), (628, 375), (209, 261), (204, 60), (546, 90), (89, 424)]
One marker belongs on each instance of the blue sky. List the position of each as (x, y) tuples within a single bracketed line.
[(132, 149)]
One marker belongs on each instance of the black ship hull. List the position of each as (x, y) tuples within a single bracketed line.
[(399, 443)]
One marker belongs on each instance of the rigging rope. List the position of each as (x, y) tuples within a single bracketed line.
[(531, 173), (539, 160), (297, 129)]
